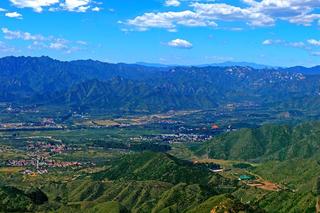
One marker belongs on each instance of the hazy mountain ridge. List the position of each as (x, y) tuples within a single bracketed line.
[(88, 83)]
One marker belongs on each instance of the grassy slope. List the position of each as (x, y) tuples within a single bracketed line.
[(144, 182), (269, 142), (144, 197), (298, 177), (224, 203), (156, 166), (288, 155)]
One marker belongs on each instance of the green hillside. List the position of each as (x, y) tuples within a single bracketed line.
[(224, 203), (141, 196), (297, 177), (16, 200), (287, 155), (142, 182), (157, 166), (269, 142)]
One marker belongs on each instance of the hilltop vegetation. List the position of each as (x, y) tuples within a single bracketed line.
[(161, 167), (15, 200), (127, 95), (287, 155), (147, 196), (269, 142), (298, 177), (160, 182), (222, 204)]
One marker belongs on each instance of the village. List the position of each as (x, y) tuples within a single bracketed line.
[(173, 138), (44, 124), (40, 160)]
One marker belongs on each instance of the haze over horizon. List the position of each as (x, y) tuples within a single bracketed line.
[(270, 32)]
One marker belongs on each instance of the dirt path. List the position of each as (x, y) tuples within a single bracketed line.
[(265, 185)]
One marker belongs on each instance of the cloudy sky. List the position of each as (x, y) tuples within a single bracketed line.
[(273, 32)]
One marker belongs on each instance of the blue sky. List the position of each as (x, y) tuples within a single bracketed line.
[(273, 32)]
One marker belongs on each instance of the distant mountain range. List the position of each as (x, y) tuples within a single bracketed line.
[(222, 64), (240, 64), (89, 84)]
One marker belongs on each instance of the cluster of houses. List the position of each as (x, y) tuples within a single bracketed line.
[(173, 138), (63, 164), (167, 121), (36, 125), (52, 148), (42, 163), (20, 163), (46, 123), (39, 159)]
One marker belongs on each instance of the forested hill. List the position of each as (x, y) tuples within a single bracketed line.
[(89, 84), (269, 142)]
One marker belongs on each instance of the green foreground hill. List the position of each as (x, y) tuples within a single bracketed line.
[(269, 142), (159, 166), (298, 179), (138, 183), (286, 155), (148, 182)]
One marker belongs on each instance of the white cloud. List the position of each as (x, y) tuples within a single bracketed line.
[(172, 3), (2, 10), (314, 42), (36, 5), (76, 5), (58, 44), (5, 48), (202, 15), (305, 19), (169, 20), (228, 12), (57, 5), (180, 43), (256, 13), (14, 15), (8, 34), (267, 42), (271, 42), (43, 42), (96, 9), (311, 46), (82, 42), (294, 11), (298, 44)]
